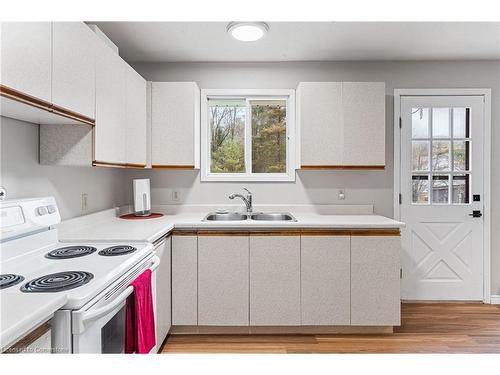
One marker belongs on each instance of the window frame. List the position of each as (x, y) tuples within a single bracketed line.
[(249, 95)]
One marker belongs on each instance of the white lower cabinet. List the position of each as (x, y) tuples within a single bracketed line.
[(184, 280), (274, 280), (375, 282), (163, 290), (325, 280), (223, 263)]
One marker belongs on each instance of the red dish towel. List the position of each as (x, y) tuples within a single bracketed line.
[(139, 316)]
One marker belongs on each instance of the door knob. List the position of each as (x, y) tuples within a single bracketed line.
[(476, 213)]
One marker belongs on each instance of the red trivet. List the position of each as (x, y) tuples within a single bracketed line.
[(153, 215)]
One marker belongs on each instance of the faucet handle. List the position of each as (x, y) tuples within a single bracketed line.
[(248, 191)]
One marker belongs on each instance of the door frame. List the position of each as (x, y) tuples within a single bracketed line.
[(486, 94)]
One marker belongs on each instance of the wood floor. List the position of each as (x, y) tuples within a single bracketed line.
[(426, 328)]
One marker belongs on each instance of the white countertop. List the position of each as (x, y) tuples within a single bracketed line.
[(106, 226), (21, 313)]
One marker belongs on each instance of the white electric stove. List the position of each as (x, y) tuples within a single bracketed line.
[(94, 276)]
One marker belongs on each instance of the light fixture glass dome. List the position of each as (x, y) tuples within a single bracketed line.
[(247, 31)]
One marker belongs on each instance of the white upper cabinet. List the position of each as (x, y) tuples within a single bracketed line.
[(364, 123), (73, 67), (342, 125), (26, 58), (175, 125), (135, 118), (110, 127)]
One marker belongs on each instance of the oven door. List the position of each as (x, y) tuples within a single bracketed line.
[(100, 326)]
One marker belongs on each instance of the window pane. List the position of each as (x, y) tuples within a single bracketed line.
[(461, 155), (420, 122), (420, 189), (440, 189), (268, 136), (420, 155), (461, 122), (461, 188), (227, 135), (440, 122), (440, 155)]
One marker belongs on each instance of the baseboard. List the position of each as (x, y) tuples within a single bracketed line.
[(495, 299)]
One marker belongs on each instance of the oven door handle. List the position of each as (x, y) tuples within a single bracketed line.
[(81, 317)]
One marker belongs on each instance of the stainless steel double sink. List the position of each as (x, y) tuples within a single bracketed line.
[(259, 216)]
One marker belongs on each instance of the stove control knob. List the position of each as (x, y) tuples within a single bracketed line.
[(42, 210), (51, 209)]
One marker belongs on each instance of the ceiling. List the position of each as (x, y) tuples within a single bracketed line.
[(306, 41)]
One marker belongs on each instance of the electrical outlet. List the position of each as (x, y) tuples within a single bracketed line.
[(84, 201), (176, 196), (342, 194)]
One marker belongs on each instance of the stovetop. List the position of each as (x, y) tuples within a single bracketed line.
[(80, 270)]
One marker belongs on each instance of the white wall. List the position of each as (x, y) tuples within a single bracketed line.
[(22, 176), (321, 187)]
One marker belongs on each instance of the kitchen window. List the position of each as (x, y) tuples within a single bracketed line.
[(248, 135)]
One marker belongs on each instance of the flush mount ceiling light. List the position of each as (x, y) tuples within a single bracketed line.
[(247, 31)]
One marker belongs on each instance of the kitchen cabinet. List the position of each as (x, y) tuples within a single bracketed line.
[(110, 129), (341, 125), (73, 67), (223, 263), (325, 279), (26, 56), (274, 280), (175, 125), (185, 280), (163, 290), (375, 282), (135, 118)]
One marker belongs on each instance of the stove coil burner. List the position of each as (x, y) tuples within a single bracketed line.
[(117, 250), (9, 279), (70, 252), (57, 282)]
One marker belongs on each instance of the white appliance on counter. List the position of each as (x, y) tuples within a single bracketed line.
[(94, 276)]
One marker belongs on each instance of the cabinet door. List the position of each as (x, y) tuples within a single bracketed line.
[(320, 119), (184, 280), (136, 117), (325, 278), (73, 67), (110, 128), (175, 124), (163, 291), (274, 280), (223, 280), (375, 283), (364, 123), (26, 56)]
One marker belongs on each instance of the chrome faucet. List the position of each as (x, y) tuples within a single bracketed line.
[(247, 200)]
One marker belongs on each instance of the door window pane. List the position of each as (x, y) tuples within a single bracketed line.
[(461, 122), (420, 155), (440, 188), (420, 122), (268, 136), (227, 136), (420, 189), (461, 155), (440, 155), (460, 188), (440, 122)]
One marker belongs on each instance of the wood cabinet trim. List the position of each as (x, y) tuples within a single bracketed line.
[(287, 232), (21, 97), (97, 163), (375, 232), (174, 167), (29, 338), (222, 233), (343, 167), (189, 232)]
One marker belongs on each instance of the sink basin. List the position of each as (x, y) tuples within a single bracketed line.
[(231, 216), (273, 216)]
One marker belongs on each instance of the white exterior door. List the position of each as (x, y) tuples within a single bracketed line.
[(442, 187)]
